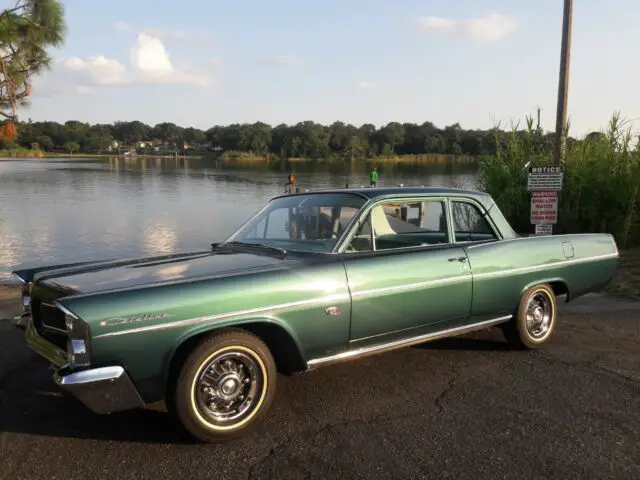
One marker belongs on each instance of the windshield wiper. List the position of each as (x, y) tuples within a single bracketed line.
[(281, 251)]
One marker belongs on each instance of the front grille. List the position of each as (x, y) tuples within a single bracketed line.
[(52, 318), (49, 323)]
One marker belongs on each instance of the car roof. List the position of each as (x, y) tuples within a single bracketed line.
[(375, 192)]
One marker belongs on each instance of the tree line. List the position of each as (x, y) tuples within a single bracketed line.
[(304, 139)]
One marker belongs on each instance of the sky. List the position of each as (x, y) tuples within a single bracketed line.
[(201, 63)]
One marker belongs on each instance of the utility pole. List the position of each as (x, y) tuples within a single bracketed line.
[(563, 83)]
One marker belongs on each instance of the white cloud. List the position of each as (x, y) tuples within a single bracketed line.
[(178, 35), (150, 63), (99, 70), (150, 57), (367, 85), (491, 27), (285, 60), (123, 26), (438, 24), (83, 90)]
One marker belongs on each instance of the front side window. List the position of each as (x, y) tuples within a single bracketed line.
[(305, 222), (402, 224), (409, 224)]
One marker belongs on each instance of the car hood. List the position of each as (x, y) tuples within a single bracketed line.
[(105, 276)]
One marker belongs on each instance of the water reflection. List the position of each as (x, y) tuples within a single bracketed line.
[(159, 238), (59, 210)]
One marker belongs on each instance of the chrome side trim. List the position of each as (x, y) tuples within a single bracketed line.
[(222, 316), (518, 239), (411, 286), (463, 278), (102, 390), (345, 297), (385, 347), (546, 266)]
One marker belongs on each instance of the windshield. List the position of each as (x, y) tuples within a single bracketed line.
[(305, 222)]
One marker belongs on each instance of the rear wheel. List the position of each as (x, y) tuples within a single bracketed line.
[(535, 318), (226, 386)]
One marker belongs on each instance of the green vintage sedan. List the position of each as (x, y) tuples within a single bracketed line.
[(312, 279)]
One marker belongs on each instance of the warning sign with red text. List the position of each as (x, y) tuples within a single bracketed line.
[(544, 207)]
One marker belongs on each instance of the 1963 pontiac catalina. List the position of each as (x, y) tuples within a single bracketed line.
[(313, 278)]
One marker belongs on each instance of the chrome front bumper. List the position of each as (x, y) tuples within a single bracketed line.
[(102, 390)]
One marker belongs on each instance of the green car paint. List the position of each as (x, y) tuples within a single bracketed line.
[(316, 301)]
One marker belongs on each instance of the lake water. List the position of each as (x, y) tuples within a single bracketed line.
[(62, 210)]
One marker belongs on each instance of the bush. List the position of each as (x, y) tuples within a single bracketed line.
[(601, 181)]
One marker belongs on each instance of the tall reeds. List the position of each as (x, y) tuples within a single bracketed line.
[(601, 182)]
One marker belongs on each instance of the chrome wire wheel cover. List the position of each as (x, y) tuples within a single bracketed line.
[(228, 387), (539, 315)]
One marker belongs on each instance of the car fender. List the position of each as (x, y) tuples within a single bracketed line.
[(549, 280), (211, 328)]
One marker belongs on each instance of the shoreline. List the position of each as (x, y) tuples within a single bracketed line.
[(247, 158)]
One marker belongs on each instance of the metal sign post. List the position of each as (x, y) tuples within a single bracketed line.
[(545, 184)]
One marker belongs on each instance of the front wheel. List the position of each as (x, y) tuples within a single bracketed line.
[(535, 318), (226, 386)]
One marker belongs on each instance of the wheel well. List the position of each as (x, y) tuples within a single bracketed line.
[(560, 288), (283, 348)]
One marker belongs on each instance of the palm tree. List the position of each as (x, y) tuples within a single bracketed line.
[(26, 31)]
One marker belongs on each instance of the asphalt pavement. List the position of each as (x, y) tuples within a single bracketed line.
[(463, 408)]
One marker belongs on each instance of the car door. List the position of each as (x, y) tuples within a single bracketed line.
[(406, 277)]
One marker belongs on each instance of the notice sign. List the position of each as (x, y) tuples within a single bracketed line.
[(544, 229), (544, 207), (545, 178)]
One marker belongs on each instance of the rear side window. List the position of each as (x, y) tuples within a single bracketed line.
[(468, 223)]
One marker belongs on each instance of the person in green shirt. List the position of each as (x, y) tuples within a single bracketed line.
[(373, 177)]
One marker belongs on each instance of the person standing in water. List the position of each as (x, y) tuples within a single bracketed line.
[(373, 177)]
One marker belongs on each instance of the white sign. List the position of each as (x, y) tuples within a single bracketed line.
[(544, 229), (545, 178), (544, 207)]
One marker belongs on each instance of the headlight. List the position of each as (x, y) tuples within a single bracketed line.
[(78, 344)]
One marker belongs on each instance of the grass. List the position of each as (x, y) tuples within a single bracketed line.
[(249, 158), (30, 153), (424, 159), (107, 155), (601, 182), (22, 153), (257, 159), (74, 155)]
